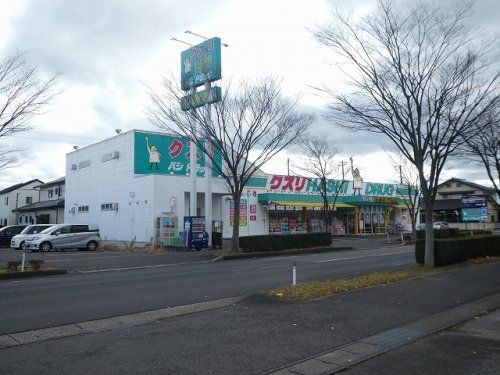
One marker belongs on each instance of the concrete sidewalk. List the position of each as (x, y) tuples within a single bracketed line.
[(263, 335)]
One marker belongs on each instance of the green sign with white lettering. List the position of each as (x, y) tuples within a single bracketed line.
[(200, 98), (201, 64), (165, 154)]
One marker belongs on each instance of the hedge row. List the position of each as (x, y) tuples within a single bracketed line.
[(283, 242), (440, 233), (456, 250)]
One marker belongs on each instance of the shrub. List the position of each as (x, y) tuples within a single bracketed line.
[(440, 233), (283, 242), (36, 264), (455, 250)]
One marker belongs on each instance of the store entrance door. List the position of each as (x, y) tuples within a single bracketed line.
[(348, 220)]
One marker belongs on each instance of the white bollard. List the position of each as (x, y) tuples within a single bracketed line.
[(294, 274), (24, 261)]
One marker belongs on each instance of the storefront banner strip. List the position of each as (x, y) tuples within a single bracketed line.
[(304, 185)]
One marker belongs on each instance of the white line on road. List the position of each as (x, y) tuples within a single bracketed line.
[(359, 257), (142, 267)]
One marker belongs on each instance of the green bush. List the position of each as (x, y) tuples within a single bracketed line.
[(440, 233), (283, 242), (456, 250)]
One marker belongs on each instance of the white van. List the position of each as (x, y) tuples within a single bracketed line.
[(17, 242), (65, 236)]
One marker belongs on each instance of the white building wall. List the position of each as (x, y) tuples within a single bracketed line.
[(140, 198), (110, 181)]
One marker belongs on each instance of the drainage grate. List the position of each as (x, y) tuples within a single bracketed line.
[(394, 337)]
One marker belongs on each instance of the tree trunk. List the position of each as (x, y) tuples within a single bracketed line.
[(413, 230), (235, 241), (429, 234)]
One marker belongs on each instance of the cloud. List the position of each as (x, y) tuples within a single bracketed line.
[(93, 41)]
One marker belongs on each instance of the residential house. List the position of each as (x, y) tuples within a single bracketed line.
[(49, 207), (14, 197)]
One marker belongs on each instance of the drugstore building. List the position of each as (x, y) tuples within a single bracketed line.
[(137, 187)]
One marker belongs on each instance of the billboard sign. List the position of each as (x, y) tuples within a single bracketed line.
[(201, 64), (200, 98), (473, 201), (474, 207), (166, 154)]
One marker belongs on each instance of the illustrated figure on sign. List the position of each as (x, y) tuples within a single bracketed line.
[(154, 155), (357, 180)]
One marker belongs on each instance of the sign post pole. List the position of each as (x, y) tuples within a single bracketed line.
[(208, 172)]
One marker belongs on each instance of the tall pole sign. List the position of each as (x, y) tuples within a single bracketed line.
[(200, 66)]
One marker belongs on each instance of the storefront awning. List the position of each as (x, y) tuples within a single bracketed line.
[(307, 204)]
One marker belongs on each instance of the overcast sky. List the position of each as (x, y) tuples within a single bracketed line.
[(106, 51)]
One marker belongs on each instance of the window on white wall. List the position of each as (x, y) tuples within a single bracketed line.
[(6, 201), (29, 200), (106, 206), (51, 193), (83, 209)]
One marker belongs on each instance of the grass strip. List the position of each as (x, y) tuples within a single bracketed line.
[(320, 289), (8, 274)]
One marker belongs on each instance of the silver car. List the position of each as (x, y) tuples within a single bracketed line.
[(17, 242), (65, 236)]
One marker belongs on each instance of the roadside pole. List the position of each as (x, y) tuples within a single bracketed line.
[(24, 261), (193, 202)]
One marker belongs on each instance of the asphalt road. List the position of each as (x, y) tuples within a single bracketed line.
[(51, 301), (263, 334)]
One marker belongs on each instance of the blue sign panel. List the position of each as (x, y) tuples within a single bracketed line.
[(473, 201), (201, 64)]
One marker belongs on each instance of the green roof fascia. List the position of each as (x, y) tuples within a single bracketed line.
[(256, 182)]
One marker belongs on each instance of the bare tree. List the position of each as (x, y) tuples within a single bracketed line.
[(247, 128), (409, 189), (319, 159), (22, 96), (419, 77), (483, 146)]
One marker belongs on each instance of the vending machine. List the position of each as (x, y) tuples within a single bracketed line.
[(166, 229), (196, 236)]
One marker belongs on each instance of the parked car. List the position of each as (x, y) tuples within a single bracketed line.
[(65, 236), (440, 225), (17, 241), (6, 233)]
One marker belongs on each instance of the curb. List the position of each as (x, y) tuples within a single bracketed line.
[(359, 351), (264, 254), (107, 324)]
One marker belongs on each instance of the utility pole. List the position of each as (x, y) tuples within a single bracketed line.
[(288, 166), (400, 175)]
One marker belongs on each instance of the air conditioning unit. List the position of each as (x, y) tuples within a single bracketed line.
[(73, 167), (72, 210), (115, 206), (116, 154)]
